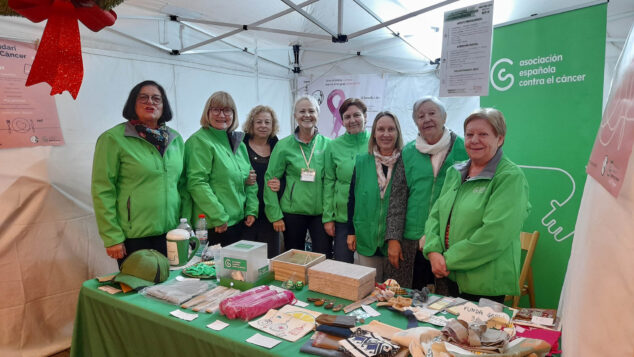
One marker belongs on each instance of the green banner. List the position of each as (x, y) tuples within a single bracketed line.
[(547, 79)]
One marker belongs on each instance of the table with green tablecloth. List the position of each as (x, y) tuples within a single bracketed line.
[(134, 325)]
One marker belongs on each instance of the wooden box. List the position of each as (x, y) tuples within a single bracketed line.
[(344, 280), (295, 261)]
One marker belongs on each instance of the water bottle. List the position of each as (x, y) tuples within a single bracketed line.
[(201, 233), (184, 225)]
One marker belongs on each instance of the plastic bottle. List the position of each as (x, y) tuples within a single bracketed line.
[(201, 233), (184, 225)]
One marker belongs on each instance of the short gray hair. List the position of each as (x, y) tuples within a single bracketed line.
[(423, 100), (309, 98)]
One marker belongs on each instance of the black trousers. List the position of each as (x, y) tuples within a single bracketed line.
[(158, 243), (295, 234), (262, 231), (230, 236), (422, 272), (455, 292)]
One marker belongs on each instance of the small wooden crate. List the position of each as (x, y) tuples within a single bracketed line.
[(295, 261), (344, 280)]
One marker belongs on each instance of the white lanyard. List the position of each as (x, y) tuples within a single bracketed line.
[(304, 155)]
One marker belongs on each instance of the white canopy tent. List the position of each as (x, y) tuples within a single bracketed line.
[(48, 237)]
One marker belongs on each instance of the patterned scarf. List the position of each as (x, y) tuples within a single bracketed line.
[(387, 161), (157, 137)]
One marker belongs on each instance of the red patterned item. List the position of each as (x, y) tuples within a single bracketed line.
[(58, 60), (241, 296)]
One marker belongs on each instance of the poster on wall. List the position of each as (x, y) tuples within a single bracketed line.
[(547, 78), (466, 51), (28, 115), (330, 93), (613, 144)]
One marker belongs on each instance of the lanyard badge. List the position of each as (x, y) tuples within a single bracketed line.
[(307, 174)]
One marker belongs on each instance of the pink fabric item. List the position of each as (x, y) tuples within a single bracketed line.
[(241, 296), (262, 305), (551, 337), (232, 308)]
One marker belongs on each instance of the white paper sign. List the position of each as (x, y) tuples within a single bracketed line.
[(183, 315), (109, 289), (466, 51), (546, 321), (217, 325), (263, 341), (300, 303), (470, 312)]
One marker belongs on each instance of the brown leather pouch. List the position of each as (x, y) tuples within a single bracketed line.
[(324, 340)]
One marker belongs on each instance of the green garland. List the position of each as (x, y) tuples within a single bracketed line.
[(5, 10)]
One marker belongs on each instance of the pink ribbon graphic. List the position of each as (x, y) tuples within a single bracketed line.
[(336, 117)]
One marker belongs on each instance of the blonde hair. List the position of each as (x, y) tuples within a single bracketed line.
[(248, 125), (398, 145), (309, 98), (219, 99)]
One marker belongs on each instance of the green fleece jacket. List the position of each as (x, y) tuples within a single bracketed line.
[(300, 197), (216, 175), (135, 190), (339, 164), (485, 216)]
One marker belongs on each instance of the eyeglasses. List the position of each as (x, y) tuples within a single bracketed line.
[(228, 112), (146, 99)]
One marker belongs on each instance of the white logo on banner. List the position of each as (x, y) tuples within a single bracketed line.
[(549, 222), (502, 75)]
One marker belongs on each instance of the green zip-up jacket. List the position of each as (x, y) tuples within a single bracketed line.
[(135, 190), (339, 164), (370, 210), (300, 197), (216, 175), (485, 216), (419, 188)]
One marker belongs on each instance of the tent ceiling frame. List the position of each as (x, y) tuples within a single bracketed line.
[(245, 27), (255, 28), (396, 34), (146, 42), (309, 17)]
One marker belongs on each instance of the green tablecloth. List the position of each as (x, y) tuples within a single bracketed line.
[(134, 325)]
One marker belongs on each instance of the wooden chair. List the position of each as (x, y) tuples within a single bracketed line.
[(528, 242)]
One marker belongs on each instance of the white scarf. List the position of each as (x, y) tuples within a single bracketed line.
[(388, 161), (437, 151)]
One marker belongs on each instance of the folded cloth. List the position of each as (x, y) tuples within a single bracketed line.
[(336, 320), (363, 343), (327, 341), (308, 348), (334, 330), (475, 337), (551, 337), (416, 339)]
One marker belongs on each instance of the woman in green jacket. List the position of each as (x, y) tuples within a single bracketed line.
[(340, 158), (472, 234), (417, 183), (299, 158), (370, 193), (136, 175), (218, 168)]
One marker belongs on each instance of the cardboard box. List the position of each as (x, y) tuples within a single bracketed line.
[(344, 280), (295, 262)]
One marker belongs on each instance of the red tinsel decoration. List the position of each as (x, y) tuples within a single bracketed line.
[(58, 59)]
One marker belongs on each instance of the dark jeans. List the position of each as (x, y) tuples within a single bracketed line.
[(230, 236), (455, 292), (262, 231), (422, 272), (295, 234), (342, 253), (158, 243)]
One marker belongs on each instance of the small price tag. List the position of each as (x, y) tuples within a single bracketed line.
[(370, 311), (109, 289), (300, 303), (545, 321), (217, 325), (263, 341), (183, 315)]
